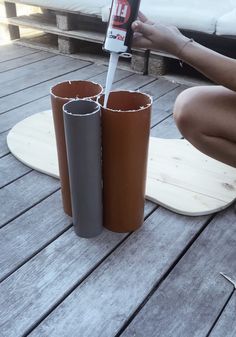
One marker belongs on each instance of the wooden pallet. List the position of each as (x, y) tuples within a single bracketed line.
[(67, 27)]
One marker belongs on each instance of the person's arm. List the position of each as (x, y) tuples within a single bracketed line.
[(218, 68)]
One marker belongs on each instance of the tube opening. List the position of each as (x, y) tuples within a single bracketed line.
[(126, 101), (81, 107), (76, 89)]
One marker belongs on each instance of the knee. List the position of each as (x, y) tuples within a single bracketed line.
[(185, 109)]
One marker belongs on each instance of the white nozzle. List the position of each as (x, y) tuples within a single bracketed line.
[(114, 57)]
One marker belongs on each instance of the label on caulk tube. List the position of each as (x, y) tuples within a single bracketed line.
[(119, 33)]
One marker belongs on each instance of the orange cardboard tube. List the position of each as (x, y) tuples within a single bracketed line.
[(62, 93), (125, 139)]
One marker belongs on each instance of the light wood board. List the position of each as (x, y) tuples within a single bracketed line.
[(179, 178)]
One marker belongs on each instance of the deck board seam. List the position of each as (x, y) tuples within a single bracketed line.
[(28, 208), (15, 58), (23, 65), (162, 120), (168, 91), (220, 313), (164, 276), (83, 279), (90, 77), (15, 179), (47, 95), (74, 287), (6, 154), (7, 275), (52, 78), (54, 239)]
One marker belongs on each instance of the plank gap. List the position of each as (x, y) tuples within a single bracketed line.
[(43, 96), (36, 252), (23, 65), (52, 78), (19, 177), (222, 310), (163, 277), (6, 154), (72, 289), (28, 208), (18, 57), (143, 85), (162, 120)]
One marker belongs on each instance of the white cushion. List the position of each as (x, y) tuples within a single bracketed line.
[(184, 18), (226, 24), (83, 6), (197, 15), (192, 4), (207, 16)]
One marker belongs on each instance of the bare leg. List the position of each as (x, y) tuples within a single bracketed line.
[(206, 117)]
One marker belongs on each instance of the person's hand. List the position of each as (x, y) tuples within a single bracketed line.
[(156, 36)]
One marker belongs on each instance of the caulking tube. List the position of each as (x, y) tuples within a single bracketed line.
[(119, 36), (119, 32)]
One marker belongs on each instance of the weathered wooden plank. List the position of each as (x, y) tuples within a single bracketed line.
[(24, 60), (121, 75), (31, 231), (149, 208), (11, 169), (159, 88), (166, 129), (106, 299), (11, 51), (10, 118), (162, 122), (226, 325), (32, 74), (48, 276), (25, 192), (163, 107), (190, 299), (3, 144), (43, 89), (136, 81)]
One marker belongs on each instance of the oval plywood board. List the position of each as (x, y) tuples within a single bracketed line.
[(179, 177)]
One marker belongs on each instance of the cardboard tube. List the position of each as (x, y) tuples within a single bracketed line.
[(62, 93), (83, 143), (125, 139)]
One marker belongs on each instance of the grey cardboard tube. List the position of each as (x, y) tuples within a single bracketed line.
[(82, 124)]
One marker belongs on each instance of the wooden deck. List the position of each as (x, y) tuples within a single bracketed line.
[(161, 281)]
